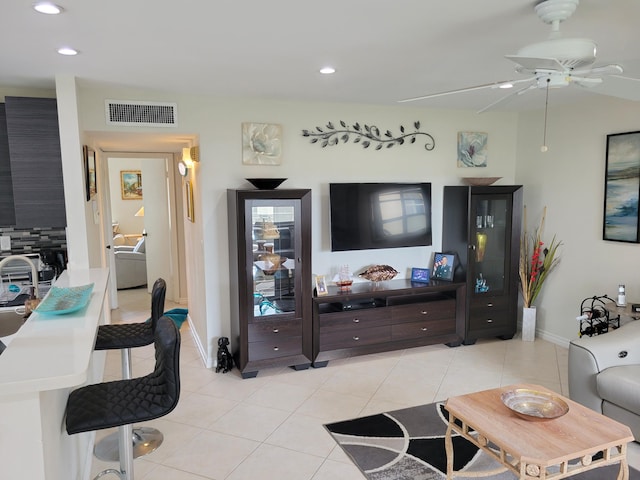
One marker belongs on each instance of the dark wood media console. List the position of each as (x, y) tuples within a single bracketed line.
[(394, 315)]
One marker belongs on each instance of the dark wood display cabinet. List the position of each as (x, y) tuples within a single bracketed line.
[(394, 315), (481, 226), (270, 266)]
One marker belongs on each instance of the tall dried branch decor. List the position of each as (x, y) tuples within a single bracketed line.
[(365, 135), (536, 260)]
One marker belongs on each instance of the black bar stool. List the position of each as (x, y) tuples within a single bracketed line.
[(124, 337), (123, 402)]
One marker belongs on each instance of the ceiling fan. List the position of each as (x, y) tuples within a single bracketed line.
[(553, 63)]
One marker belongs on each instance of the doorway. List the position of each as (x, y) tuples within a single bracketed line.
[(140, 205)]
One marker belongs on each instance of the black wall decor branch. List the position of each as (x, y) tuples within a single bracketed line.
[(365, 135)]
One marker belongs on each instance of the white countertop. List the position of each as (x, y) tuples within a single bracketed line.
[(53, 351)]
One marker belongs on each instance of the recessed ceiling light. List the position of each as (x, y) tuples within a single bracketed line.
[(47, 7), (327, 70), (506, 85), (67, 51)]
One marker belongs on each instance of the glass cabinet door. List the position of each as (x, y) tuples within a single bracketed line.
[(490, 239), (272, 260)]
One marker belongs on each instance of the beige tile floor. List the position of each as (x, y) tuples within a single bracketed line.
[(271, 427)]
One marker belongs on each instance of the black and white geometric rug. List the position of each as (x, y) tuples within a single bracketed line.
[(408, 444)]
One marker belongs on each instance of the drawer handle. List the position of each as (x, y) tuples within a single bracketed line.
[(275, 349), (275, 330), (489, 320), (356, 320), (424, 329), (356, 338), (423, 312)]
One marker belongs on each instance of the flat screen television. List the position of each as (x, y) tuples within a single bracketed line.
[(379, 215)]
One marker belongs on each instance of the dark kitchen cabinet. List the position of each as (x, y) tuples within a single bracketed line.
[(33, 141), (482, 226), (270, 268)]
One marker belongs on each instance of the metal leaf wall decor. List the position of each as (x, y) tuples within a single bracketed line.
[(365, 135)]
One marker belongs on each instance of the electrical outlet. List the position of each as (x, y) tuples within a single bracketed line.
[(5, 242)]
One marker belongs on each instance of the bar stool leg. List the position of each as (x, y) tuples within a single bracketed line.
[(144, 439)]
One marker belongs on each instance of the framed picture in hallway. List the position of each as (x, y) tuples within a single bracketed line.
[(621, 187), (189, 194), (90, 171), (131, 184)]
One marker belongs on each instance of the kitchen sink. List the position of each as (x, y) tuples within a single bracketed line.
[(10, 322)]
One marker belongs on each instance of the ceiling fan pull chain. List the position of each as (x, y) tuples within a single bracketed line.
[(544, 147)]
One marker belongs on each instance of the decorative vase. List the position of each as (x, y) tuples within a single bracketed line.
[(481, 240), (528, 324)]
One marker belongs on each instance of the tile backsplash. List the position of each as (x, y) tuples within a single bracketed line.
[(34, 240)]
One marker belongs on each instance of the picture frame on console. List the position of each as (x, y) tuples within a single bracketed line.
[(443, 266), (420, 275), (321, 286)]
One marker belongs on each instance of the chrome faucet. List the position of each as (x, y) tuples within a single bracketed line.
[(34, 272)]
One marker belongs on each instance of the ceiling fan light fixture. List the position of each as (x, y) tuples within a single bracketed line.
[(569, 52)]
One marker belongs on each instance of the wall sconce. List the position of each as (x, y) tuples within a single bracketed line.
[(189, 157)]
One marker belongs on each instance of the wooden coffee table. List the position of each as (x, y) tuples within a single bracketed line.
[(536, 449)]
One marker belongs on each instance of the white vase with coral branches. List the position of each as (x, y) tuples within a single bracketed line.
[(536, 262)]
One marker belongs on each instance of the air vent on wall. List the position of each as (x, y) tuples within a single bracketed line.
[(141, 114)]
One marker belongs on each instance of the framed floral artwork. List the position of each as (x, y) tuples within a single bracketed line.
[(131, 184), (472, 149), (621, 187), (261, 144)]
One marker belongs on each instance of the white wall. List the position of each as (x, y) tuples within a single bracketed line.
[(569, 180), (218, 124)]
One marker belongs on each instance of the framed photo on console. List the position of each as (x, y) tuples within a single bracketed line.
[(420, 275), (443, 266)]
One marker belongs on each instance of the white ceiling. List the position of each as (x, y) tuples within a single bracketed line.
[(383, 51)]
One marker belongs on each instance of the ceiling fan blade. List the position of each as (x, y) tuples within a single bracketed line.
[(467, 89), (531, 64), (507, 97), (612, 69), (586, 82), (627, 88)]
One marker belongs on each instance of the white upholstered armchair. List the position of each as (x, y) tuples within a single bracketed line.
[(131, 265)]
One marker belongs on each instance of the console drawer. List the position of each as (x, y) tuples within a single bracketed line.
[(425, 328), (273, 330), (424, 311), (279, 347), (489, 312), (365, 318), (335, 339), (489, 318)]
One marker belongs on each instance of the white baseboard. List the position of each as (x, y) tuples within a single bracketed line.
[(208, 362)]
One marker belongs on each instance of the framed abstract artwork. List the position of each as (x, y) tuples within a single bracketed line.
[(621, 188)]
